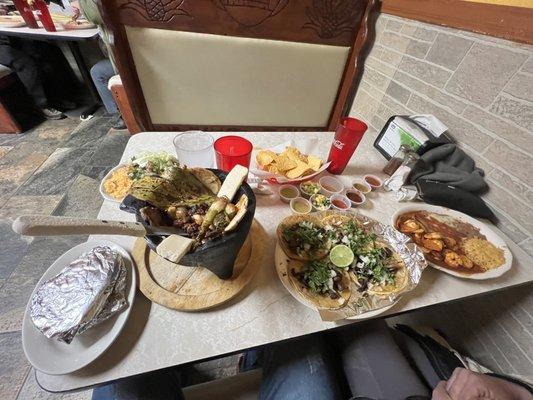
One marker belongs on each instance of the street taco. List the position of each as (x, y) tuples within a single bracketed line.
[(379, 271), (303, 237), (321, 283), (335, 219)]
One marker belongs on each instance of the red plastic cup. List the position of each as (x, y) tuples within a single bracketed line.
[(347, 137), (26, 13), (232, 150)]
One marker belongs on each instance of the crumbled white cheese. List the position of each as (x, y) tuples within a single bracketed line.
[(174, 247)]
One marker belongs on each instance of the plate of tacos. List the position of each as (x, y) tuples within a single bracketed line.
[(345, 262)]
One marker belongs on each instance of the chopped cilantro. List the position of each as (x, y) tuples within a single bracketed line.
[(306, 238)]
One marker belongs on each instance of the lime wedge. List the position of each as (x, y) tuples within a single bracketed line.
[(341, 256)]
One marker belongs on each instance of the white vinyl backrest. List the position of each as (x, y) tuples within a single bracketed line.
[(202, 79)]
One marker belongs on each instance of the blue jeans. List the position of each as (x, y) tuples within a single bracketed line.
[(297, 370), (101, 72), (365, 364), (158, 385)]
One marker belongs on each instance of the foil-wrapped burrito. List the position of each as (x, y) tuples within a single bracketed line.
[(86, 292)]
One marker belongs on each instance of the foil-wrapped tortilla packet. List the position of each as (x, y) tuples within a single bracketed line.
[(410, 254), (85, 293)]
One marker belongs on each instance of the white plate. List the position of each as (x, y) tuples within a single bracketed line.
[(281, 268), (56, 358), (484, 229), (102, 188)]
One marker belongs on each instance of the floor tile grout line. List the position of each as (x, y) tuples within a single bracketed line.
[(514, 341), (23, 382), (519, 323)]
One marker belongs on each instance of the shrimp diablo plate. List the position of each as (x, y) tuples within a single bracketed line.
[(346, 262), (454, 242)]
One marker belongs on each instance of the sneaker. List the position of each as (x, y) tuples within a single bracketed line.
[(119, 124), (52, 113)]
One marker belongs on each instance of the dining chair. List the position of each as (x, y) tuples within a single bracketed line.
[(238, 64), (8, 123)]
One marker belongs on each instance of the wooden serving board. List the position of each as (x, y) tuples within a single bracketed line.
[(196, 288)]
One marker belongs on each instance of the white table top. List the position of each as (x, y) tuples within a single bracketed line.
[(60, 34), (156, 337)]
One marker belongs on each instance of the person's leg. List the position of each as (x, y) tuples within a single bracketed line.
[(159, 385), (299, 370), (59, 81), (27, 71), (374, 365), (101, 72)]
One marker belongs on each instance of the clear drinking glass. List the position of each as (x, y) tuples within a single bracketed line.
[(195, 149)]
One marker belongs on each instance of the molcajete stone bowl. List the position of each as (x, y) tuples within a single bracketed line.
[(217, 255)]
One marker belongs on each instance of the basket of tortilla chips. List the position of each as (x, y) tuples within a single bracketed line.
[(288, 162)]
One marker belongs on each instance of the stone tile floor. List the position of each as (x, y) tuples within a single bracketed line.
[(55, 169)]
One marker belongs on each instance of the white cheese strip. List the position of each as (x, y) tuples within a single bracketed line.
[(233, 182), (174, 247)]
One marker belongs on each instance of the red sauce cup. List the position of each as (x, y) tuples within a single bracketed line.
[(232, 150), (356, 197), (340, 202), (373, 181)]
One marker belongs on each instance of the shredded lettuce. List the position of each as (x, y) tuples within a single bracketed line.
[(152, 163)]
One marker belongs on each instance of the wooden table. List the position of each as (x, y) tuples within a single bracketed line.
[(72, 38), (156, 337)]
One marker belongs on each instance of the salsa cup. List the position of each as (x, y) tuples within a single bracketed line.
[(340, 202), (285, 190), (373, 181), (357, 197), (362, 186), (329, 185), (300, 206), (318, 208), (305, 193)]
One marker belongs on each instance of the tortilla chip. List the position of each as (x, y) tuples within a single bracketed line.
[(265, 157), (273, 169), (300, 170), (284, 163), (294, 154), (314, 162)]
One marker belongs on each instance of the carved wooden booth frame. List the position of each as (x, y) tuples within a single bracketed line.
[(324, 22)]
